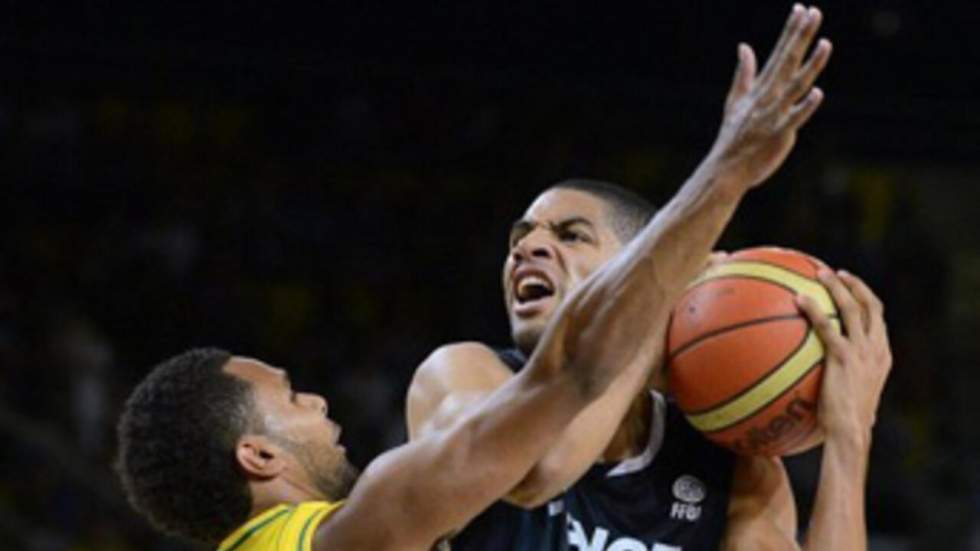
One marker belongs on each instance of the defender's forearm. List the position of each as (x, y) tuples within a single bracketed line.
[(612, 317), (674, 247)]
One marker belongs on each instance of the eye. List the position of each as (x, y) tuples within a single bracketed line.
[(515, 238), (570, 236)]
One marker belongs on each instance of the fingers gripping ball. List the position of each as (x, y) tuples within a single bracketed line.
[(744, 364)]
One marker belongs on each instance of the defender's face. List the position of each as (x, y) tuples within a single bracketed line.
[(299, 422), (563, 238)]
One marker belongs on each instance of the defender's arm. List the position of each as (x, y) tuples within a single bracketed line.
[(434, 485)]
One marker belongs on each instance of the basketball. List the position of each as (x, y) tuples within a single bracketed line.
[(743, 362)]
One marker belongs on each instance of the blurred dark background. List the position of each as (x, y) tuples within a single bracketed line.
[(330, 187)]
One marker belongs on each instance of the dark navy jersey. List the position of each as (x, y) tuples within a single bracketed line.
[(672, 497)]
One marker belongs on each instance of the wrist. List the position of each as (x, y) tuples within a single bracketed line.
[(724, 176), (854, 439)]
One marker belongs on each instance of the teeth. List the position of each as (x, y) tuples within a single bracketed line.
[(533, 280), (529, 282)]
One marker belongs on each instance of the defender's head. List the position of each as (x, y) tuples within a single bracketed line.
[(568, 232), (206, 435)]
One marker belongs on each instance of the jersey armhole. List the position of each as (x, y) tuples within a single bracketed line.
[(655, 441)]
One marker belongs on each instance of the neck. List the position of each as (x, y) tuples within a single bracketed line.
[(634, 431), (279, 491)]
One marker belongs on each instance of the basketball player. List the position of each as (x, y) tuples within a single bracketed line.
[(661, 485)]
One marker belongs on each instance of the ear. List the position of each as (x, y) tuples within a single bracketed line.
[(259, 457)]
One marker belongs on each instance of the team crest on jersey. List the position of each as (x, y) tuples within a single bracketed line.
[(689, 492)]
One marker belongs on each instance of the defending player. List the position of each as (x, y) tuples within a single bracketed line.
[(641, 502)]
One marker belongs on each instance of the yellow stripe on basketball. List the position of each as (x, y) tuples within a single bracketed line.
[(779, 380), (780, 276)]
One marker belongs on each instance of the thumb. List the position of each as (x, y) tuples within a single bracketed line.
[(744, 73)]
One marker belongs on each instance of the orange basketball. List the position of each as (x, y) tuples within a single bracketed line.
[(743, 362)]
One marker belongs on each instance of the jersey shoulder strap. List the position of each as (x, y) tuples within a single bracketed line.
[(512, 357)]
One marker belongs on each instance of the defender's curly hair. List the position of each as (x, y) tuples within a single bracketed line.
[(177, 438)]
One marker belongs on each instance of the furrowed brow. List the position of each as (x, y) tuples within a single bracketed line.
[(520, 228), (568, 222)]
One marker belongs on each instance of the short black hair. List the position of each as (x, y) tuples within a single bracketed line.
[(628, 211), (177, 438)]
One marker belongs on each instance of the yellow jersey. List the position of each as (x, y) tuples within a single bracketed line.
[(281, 528)]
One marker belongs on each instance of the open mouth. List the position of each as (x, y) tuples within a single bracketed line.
[(532, 287)]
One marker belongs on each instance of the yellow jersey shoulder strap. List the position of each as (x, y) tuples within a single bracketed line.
[(281, 528)]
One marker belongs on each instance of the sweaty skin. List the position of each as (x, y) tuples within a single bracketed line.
[(457, 377)]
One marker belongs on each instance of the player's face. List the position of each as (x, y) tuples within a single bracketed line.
[(298, 421), (562, 238)]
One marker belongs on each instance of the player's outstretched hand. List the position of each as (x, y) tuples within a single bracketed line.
[(856, 362), (763, 111)]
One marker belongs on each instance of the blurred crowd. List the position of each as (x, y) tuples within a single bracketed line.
[(347, 236)]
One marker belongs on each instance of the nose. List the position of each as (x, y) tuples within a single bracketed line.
[(532, 245)]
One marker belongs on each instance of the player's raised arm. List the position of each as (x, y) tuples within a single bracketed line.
[(763, 112)]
